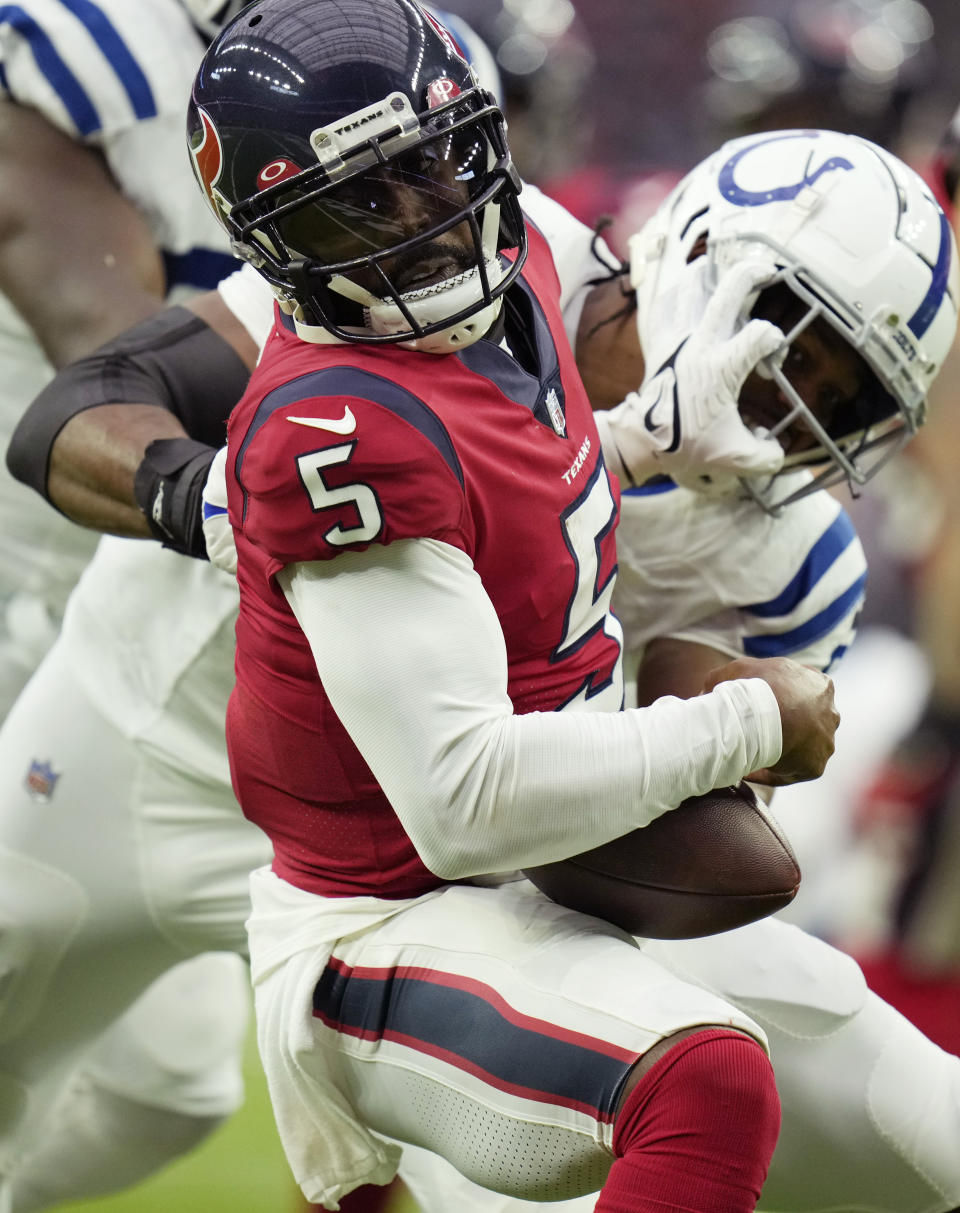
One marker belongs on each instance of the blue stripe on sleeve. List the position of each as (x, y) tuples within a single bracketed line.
[(834, 541), (650, 488), (835, 656), (61, 79), (788, 642), (117, 54), (200, 267), (3, 79)]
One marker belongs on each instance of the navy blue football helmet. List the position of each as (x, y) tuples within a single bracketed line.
[(356, 163)]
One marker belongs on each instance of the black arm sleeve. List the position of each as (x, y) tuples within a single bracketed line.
[(173, 359)]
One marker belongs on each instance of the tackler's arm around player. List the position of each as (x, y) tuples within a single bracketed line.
[(120, 441), (92, 287), (175, 377)]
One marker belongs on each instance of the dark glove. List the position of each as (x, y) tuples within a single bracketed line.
[(169, 490)]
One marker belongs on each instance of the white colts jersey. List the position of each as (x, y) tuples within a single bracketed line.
[(114, 75), (723, 573)]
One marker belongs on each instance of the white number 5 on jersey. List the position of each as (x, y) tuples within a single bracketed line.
[(323, 496), (585, 523)]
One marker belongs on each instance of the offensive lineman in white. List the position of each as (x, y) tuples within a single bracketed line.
[(91, 129), (100, 224), (816, 1024)]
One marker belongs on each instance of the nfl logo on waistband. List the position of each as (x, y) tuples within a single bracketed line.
[(41, 780), (556, 413)]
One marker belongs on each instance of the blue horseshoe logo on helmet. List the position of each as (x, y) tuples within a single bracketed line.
[(783, 193)]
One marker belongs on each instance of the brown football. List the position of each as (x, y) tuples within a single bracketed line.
[(714, 863)]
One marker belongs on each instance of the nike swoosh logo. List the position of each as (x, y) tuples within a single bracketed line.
[(336, 425), (648, 421), (653, 426)]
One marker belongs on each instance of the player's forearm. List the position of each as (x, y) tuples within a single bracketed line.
[(675, 667), (94, 461), (478, 788), (85, 442), (547, 785)]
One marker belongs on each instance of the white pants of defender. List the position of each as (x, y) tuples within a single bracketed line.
[(871, 1109), (116, 869)]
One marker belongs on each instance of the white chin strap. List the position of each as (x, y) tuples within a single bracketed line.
[(427, 306), (433, 303)]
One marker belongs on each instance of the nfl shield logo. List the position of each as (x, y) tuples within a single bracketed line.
[(41, 780), (555, 412)]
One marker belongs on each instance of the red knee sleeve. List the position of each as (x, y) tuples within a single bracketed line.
[(368, 1199), (697, 1132)]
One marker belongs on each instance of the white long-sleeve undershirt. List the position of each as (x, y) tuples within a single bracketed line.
[(411, 654)]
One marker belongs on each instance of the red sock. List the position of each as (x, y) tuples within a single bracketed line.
[(371, 1198), (697, 1132)]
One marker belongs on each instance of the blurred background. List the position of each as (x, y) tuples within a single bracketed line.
[(657, 99), (609, 102)]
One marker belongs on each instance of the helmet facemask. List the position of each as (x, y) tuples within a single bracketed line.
[(848, 433), (395, 236), (858, 253)]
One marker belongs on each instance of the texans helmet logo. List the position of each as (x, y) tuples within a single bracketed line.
[(445, 35), (207, 156)]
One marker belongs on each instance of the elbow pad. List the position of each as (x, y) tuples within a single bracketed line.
[(173, 359)]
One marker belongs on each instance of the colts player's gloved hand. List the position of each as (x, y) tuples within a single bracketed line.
[(217, 531), (684, 421)]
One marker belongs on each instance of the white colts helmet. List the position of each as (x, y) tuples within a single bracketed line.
[(857, 237)]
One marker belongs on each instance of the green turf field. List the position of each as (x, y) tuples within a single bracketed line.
[(239, 1169)]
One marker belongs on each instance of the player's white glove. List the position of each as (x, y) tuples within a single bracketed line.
[(217, 531), (684, 422)]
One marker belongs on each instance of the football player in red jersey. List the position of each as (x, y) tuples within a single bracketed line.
[(425, 560), (342, 421), (829, 1023)]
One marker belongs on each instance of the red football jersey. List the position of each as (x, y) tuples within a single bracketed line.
[(470, 449)]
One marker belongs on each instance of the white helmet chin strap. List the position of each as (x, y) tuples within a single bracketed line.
[(431, 304), (426, 306)]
